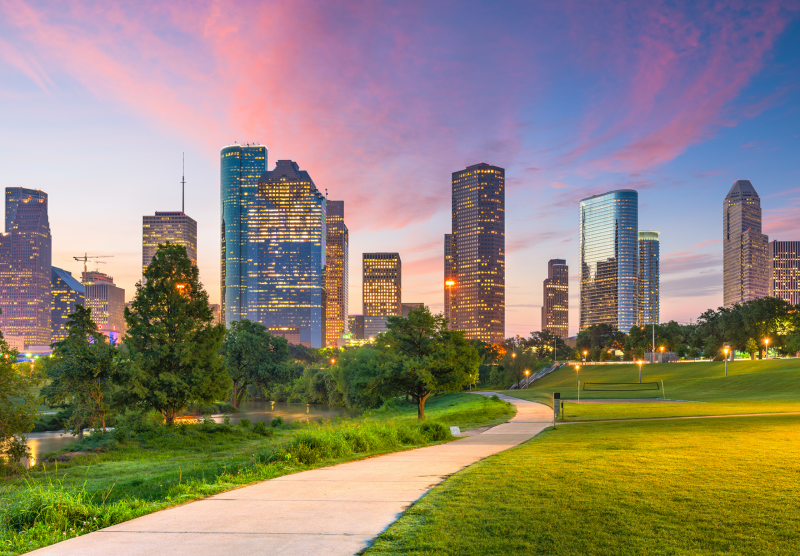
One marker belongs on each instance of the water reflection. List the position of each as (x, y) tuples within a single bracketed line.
[(42, 442)]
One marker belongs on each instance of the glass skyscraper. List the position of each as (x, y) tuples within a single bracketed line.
[(609, 259), (107, 303), (477, 247), (336, 284), (241, 166), (784, 270), (649, 260), (555, 298), (67, 293), (174, 227), (287, 231), (25, 268), (745, 250)]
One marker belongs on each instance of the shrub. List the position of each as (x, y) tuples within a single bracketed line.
[(276, 422), (261, 428), (244, 423), (226, 419), (435, 431)]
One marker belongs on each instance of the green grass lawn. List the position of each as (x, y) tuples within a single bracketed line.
[(710, 486), (770, 386), (168, 466)]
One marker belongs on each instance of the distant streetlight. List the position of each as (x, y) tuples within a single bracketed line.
[(640, 371), (766, 350), (585, 354), (662, 354), (333, 361), (726, 361), (578, 378), (526, 378)]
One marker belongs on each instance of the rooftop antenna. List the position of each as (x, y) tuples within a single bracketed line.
[(183, 183)]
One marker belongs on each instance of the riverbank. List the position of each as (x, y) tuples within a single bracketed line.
[(159, 467)]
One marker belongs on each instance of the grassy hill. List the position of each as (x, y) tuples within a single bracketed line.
[(770, 386)]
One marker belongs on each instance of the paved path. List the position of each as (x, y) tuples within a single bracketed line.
[(334, 510)]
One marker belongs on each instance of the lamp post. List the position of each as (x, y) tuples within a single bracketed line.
[(585, 353), (640, 371), (662, 354), (526, 378), (766, 348), (726, 361), (578, 378)]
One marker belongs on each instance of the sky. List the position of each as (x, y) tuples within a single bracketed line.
[(381, 101)]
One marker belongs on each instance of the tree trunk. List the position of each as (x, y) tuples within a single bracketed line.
[(421, 405)]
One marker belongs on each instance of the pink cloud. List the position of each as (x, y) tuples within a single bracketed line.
[(24, 64)]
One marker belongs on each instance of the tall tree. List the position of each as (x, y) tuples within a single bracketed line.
[(81, 372), (172, 339), (253, 356), (420, 355), (18, 406)]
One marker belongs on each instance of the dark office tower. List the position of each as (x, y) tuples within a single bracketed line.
[(107, 302), (609, 261), (449, 277), (336, 259), (67, 292), (241, 166), (286, 255), (406, 308), (745, 262), (784, 270), (649, 257), (382, 285), (355, 326), (479, 224), (25, 268), (555, 305), (173, 227)]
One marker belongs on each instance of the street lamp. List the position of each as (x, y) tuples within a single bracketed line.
[(585, 353), (766, 350), (726, 361), (526, 378), (578, 378), (333, 361), (640, 371), (662, 354)]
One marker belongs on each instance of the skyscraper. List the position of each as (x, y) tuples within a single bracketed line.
[(382, 291), (25, 267), (286, 245), (784, 270), (477, 298), (241, 167), (608, 258), (336, 281), (173, 227), (449, 278), (107, 302), (745, 263), (67, 292), (649, 261), (555, 305)]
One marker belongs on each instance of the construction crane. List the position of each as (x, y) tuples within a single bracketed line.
[(86, 259)]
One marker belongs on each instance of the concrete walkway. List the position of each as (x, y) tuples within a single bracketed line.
[(334, 510)]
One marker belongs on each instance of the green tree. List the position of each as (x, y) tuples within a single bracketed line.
[(751, 347), (253, 356), (355, 372), (172, 339), (81, 373), (419, 355), (18, 407)]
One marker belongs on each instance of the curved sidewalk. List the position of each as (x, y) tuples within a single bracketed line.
[(333, 510)]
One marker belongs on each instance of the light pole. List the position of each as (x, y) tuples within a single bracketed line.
[(526, 378), (578, 378), (585, 353), (726, 361), (662, 354), (766, 349), (640, 371)]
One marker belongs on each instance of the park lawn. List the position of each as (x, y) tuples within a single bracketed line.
[(708, 486), (152, 472), (770, 386)]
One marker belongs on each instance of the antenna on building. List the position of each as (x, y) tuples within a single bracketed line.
[(183, 182), (326, 192)]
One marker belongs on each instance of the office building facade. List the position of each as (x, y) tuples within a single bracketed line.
[(477, 297), (176, 228), (287, 235), (25, 268), (649, 278), (555, 298), (382, 284), (449, 278), (66, 292), (745, 250), (609, 265), (406, 308), (336, 283), (355, 326), (784, 270), (241, 168), (107, 303)]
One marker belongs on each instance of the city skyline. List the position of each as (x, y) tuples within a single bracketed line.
[(681, 120)]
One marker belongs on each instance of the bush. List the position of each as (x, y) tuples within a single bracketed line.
[(435, 431), (276, 422), (244, 423), (261, 428)]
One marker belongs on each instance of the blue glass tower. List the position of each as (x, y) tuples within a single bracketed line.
[(609, 259), (241, 166), (287, 226)]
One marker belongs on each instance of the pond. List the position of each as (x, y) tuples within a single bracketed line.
[(42, 442)]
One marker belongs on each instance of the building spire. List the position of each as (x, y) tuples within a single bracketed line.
[(183, 182)]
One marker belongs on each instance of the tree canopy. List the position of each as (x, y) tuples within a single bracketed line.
[(420, 355), (18, 406), (172, 339)]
